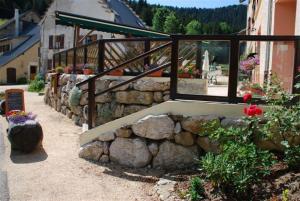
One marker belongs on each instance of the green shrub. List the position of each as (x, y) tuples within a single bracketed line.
[(37, 84), (196, 190), (59, 69), (74, 96), (239, 166), (292, 156), (22, 80)]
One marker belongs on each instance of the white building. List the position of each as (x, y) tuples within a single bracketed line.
[(56, 38)]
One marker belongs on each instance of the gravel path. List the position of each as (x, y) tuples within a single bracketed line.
[(56, 172)]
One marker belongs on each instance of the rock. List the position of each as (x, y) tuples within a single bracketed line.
[(130, 109), (101, 85), (184, 138), (63, 79), (122, 88), (195, 124), (63, 110), (232, 122), (166, 97), (172, 156), (84, 99), (154, 127), (106, 148), (91, 151), (153, 148), (77, 110), (123, 132), (58, 106), (208, 145), (69, 113), (130, 152), (151, 85), (105, 112), (105, 98), (118, 111), (134, 97), (104, 159), (165, 188), (158, 97), (105, 137), (176, 118), (177, 128), (86, 112)]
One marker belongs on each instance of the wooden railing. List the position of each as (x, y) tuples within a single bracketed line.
[(110, 57)]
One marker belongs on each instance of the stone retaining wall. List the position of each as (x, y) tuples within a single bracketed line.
[(163, 141), (121, 102)]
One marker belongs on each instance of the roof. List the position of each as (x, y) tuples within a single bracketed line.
[(69, 19), (33, 38), (124, 14), (12, 20)]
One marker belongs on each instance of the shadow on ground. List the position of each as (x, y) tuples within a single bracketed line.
[(33, 157), (147, 175)]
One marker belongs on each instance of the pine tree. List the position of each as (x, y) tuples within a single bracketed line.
[(172, 24), (160, 18), (194, 28)]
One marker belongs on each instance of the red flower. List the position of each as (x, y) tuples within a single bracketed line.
[(247, 97), (253, 110)]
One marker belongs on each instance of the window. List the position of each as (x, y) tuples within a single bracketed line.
[(89, 39), (50, 64), (57, 42), (4, 48)]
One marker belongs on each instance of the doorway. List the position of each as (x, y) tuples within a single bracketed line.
[(33, 72), (11, 75)]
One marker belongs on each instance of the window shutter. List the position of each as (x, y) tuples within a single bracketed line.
[(51, 42), (62, 41)]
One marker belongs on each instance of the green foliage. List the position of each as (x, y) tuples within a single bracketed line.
[(2, 21), (22, 80), (59, 69), (196, 190), (194, 27), (74, 96), (292, 156), (37, 85), (285, 195), (239, 166), (172, 24), (159, 18)]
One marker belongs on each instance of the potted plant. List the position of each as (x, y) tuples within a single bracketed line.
[(154, 74), (88, 69), (68, 70), (189, 71), (118, 72), (59, 70), (254, 88), (249, 63)]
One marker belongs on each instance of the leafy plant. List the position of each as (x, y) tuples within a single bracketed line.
[(196, 190), (59, 69), (37, 84), (239, 166), (292, 155), (22, 80), (285, 195)]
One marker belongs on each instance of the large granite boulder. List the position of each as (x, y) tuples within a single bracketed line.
[(134, 97), (208, 145), (92, 151), (184, 138), (151, 85), (154, 127), (130, 152), (171, 156), (196, 124)]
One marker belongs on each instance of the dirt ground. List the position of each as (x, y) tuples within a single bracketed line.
[(56, 172)]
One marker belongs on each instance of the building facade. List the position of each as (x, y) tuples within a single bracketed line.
[(274, 17), (56, 38), (19, 43)]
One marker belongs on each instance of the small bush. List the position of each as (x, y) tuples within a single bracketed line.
[(37, 84), (22, 80), (292, 157), (196, 190), (238, 167)]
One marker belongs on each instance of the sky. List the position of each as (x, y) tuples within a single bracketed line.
[(195, 3)]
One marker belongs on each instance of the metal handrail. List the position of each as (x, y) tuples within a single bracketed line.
[(124, 64)]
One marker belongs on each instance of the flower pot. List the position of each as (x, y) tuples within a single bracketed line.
[(88, 71), (184, 75), (116, 73), (156, 74), (68, 70)]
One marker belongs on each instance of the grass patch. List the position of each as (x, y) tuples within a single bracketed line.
[(2, 21)]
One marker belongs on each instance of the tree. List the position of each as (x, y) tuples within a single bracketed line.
[(172, 24), (194, 27), (160, 18), (225, 28)]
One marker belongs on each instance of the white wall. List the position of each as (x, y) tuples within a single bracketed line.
[(91, 8)]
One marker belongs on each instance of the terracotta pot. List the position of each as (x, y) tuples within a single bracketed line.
[(184, 75), (156, 74), (67, 70), (116, 73), (88, 71)]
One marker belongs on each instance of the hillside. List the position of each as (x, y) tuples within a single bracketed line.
[(230, 19)]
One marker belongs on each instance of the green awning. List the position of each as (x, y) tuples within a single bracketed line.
[(69, 19)]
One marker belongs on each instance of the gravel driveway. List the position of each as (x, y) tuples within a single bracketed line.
[(56, 172)]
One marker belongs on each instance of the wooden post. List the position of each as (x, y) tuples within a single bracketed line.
[(296, 77), (174, 69), (233, 70), (146, 49), (91, 103), (101, 56), (199, 57), (85, 55)]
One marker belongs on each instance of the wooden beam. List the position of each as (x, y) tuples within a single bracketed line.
[(84, 37)]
